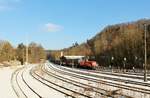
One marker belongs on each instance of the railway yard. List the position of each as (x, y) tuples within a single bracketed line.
[(50, 80), (75, 49)]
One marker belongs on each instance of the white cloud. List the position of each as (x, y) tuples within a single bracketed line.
[(50, 27)]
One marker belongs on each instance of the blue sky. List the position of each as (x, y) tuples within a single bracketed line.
[(58, 24)]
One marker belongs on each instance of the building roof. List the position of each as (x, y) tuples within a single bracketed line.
[(74, 57)]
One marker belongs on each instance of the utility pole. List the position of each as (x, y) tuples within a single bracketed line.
[(145, 65), (26, 50), (26, 54), (112, 63), (124, 65)]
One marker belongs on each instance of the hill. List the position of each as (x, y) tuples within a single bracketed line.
[(119, 41)]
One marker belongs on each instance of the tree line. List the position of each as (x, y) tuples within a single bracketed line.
[(36, 52)]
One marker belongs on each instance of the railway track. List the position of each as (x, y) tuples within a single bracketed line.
[(41, 79), (107, 92), (116, 72), (58, 87), (50, 76), (110, 78), (83, 85), (21, 94), (122, 86), (123, 74), (22, 76), (135, 76), (16, 85)]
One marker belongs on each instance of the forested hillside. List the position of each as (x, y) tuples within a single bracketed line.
[(119, 41)]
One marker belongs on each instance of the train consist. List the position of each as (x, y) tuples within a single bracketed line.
[(77, 61)]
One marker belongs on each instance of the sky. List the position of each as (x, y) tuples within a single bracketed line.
[(57, 24)]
